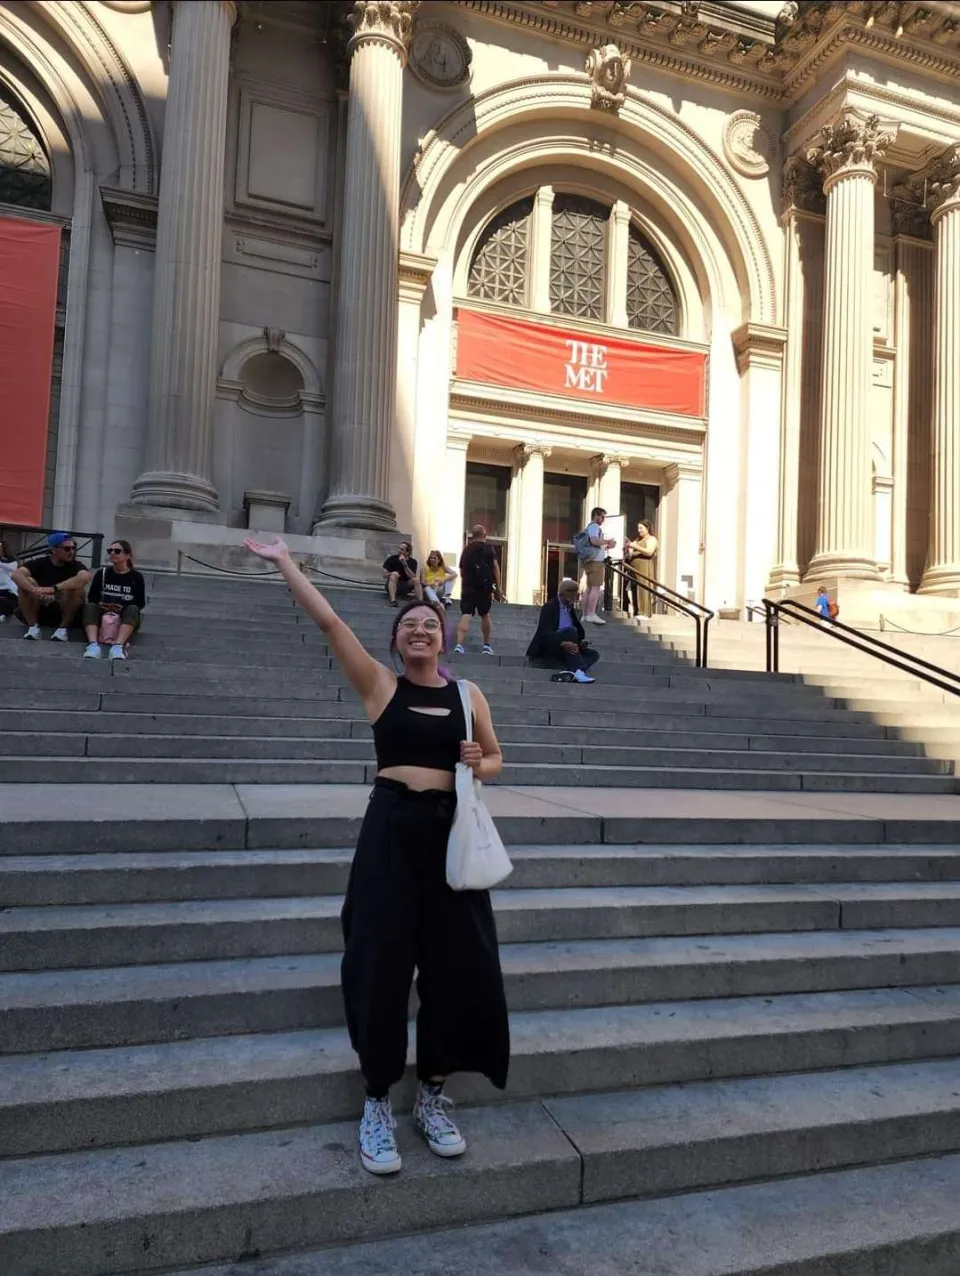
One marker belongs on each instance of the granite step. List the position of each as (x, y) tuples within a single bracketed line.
[(827, 1224), (563, 751), (131, 877), (203, 1085), (264, 1191), (122, 1006)]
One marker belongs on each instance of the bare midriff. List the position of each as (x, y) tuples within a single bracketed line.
[(418, 778)]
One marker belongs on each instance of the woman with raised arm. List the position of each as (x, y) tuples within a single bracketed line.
[(399, 913)]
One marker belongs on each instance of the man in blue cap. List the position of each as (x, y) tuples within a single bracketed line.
[(52, 589)]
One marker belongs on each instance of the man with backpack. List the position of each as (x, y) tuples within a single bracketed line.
[(591, 546), (479, 585)]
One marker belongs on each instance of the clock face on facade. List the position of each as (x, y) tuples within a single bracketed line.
[(439, 55)]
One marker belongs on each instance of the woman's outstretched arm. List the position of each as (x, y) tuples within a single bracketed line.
[(369, 679)]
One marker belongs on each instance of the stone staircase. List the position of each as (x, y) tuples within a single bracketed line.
[(730, 946), (912, 708)]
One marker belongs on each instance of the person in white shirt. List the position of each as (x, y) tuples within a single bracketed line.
[(8, 587), (593, 567)]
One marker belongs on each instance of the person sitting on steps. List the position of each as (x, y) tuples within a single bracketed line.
[(116, 590), (399, 914), (8, 590), (559, 639), (437, 579), (51, 589), (401, 576)]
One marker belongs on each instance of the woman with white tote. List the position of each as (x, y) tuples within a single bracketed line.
[(399, 914)]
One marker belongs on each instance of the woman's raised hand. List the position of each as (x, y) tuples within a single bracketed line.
[(272, 553)]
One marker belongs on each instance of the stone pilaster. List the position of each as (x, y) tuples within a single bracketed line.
[(846, 154), (527, 544), (618, 239), (606, 473), (364, 398), (942, 573), (186, 293), (408, 470), (541, 237)]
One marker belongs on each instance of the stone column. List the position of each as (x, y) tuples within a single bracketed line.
[(541, 239), (528, 545), (607, 472), (451, 497), (364, 392), (186, 290), (942, 573), (618, 240), (681, 549), (846, 154), (413, 280)]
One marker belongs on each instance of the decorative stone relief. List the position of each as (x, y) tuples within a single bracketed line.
[(440, 56), (942, 181), (749, 147), (609, 72), (851, 144), (802, 187), (389, 21)]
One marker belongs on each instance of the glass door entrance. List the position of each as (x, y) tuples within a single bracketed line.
[(563, 498)]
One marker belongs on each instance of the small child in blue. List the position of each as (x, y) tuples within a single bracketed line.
[(823, 603)]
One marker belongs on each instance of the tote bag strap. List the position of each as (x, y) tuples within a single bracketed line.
[(464, 688)]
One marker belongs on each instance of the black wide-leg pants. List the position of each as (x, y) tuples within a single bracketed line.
[(400, 915)]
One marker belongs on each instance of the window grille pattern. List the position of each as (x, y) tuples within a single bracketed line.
[(651, 301), (498, 271), (578, 257), (25, 177)]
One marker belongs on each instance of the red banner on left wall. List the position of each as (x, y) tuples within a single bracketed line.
[(29, 266)]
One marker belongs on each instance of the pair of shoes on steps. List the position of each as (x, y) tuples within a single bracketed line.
[(378, 1144), (93, 652)]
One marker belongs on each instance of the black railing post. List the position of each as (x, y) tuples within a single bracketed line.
[(706, 638)]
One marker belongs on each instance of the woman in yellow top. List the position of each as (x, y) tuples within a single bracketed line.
[(437, 579)]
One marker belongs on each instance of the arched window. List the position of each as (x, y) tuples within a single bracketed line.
[(651, 301), (578, 252), (25, 178), (582, 240), (498, 271)]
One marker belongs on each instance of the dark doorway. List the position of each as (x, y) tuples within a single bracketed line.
[(487, 489), (563, 498)]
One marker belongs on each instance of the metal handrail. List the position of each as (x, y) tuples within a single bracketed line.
[(698, 613), (39, 546), (856, 638)]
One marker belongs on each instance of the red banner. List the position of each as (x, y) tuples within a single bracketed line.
[(535, 356), (29, 265)]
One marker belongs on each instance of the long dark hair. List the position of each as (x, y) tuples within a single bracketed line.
[(5, 555), (404, 611), (125, 546)]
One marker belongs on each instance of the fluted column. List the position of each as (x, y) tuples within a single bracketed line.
[(186, 293), (528, 545), (364, 392), (942, 573), (846, 154)]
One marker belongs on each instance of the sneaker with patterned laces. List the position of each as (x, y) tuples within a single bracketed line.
[(378, 1143), (431, 1119)]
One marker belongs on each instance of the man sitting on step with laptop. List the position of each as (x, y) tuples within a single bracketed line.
[(559, 639)]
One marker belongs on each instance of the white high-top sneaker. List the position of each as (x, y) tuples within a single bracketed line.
[(378, 1143), (431, 1119)]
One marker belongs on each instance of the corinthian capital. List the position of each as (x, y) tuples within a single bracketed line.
[(382, 21), (942, 184), (850, 145)]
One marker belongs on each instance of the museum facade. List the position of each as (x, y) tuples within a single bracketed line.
[(356, 269)]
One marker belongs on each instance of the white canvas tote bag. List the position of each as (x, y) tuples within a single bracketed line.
[(476, 860)]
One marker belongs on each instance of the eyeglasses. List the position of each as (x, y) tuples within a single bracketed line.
[(68, 549), (429, 626), (116, 549)]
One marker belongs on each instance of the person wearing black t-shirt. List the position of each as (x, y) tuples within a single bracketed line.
[(479, 585), (51, 589), (119, 589), (401, 575)]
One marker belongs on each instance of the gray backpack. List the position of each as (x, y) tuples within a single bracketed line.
[(581, 543)]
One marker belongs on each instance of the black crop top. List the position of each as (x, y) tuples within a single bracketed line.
[(404, 737)]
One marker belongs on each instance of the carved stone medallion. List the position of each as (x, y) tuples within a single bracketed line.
[(609, 71), (749, 147), (439, 55)]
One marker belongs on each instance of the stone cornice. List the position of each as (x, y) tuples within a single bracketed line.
[(750, 55), (758, 345), (132, 217)]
